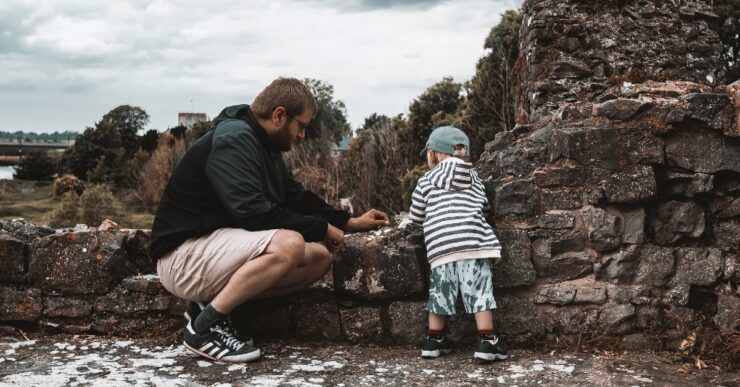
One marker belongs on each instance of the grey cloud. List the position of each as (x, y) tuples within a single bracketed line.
[(373, 5)]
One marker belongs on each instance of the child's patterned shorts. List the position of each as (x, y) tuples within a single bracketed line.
[(472, 277)]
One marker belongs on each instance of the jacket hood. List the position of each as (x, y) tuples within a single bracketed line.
[(452, 174), (232, 112)]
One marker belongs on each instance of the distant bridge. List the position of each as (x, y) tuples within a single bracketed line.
[(11, 152)]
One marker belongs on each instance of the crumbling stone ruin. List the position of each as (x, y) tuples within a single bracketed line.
[(616, 198)]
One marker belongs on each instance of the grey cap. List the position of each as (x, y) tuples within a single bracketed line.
[(445, 138)]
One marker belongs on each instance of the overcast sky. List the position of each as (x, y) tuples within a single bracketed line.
[(65, 63)]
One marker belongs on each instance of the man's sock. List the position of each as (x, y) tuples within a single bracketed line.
[(484, 332), (207, 317)]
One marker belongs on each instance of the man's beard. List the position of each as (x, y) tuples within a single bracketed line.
[(282, 139)]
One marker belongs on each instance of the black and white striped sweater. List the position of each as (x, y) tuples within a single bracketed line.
[(449, 201)]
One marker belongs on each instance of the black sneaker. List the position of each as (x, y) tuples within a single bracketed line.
[(490, 348), (194, 309), (219, 346), (433, 346)]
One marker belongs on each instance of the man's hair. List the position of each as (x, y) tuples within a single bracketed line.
[(290, 93)]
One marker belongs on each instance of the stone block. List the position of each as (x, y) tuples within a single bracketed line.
[(143, 325), (654, 266), (572, 319), (723, 207), (560, 199), (513, 161), (618, 319), (569, 69), (709, 108), (703, 150), (563, 267), (20, 305), (728, 312), (24, 230), (630, 294), (675, 220), (604, 229), (590, 295), (555, 295), (634, 225), (461, 328), (515, 268), (316, 318), (362, 324), (148, 283), (641, 148), (687, 185), (137, 244), (515, 200), (13, 258), (621, 109), (265, 318), (556, 220), (649, 318), (124, 301), (618, 267), (694, 266), (86, 262), (727, 235), (588, 146), (631, 185), (66, 307), (407, 320), (389, 266), (565, 174)]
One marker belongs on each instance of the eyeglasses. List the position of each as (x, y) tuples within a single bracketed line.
[(302, 126)]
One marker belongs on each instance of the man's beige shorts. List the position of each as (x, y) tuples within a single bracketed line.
[(201, 267)]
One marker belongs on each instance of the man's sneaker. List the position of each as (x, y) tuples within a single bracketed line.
[(220, 346), (194, 309), (490, 348), (432, 347)]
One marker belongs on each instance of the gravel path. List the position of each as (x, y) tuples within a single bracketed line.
[(98, 361)]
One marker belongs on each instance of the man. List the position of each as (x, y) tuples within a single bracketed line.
[(233, 225)]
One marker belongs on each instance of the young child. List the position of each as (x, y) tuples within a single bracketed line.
[(449, 201)]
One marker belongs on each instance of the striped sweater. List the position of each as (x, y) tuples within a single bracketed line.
[(449, 201)]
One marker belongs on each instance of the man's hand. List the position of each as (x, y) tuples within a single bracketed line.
[(334, 239), (371, 220)]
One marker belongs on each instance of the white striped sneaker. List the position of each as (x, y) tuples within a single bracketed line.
[(219, 346), (193, 310)]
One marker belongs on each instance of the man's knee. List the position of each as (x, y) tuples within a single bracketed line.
[(288, 246), (321, 255)]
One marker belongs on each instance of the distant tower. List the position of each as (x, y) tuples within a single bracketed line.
[(189, 119)]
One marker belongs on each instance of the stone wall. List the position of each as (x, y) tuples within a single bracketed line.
[(573, 50), (95, 280), (620, 192)]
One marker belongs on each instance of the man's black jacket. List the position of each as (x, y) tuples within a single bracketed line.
[(233, 177)]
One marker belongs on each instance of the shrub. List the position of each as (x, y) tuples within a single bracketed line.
[(153, 176), (36, 165), (408, 183), (68, 183), (96, 204), (374, 168)]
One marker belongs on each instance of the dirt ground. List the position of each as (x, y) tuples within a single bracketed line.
[(99, 361)]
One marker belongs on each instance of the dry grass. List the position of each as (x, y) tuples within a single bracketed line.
[(37, 205)]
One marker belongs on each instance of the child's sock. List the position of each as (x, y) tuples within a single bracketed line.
[(436, 333)]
